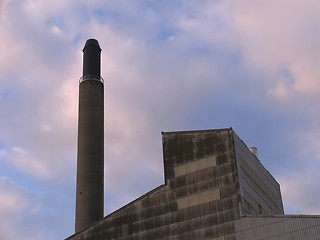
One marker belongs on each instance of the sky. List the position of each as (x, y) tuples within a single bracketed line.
[(168, 65)]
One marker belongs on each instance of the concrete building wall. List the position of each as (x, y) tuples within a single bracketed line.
[(200, 167), (200, 198), (280, 227), (259, 191), (211, 178)]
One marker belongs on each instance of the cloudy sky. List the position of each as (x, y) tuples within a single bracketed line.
[(168, 65)]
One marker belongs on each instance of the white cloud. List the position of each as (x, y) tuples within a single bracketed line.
[(24, 214), (282, 91), (278, 35), (14, 201), (299, 191), (25, 162), (37, 208), (3, 153), (13, 198), (3, 6)]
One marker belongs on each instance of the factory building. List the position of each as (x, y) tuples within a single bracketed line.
[(215, 189)]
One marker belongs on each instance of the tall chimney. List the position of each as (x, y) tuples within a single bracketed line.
[(90, 162)]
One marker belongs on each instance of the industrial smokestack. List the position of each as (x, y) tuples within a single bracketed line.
[(90, 162)]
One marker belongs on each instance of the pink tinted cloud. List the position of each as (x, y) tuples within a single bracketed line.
[(281, 35)]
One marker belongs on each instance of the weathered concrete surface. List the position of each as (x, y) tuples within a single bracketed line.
[(211, 179), (90, 163), (200, 198)]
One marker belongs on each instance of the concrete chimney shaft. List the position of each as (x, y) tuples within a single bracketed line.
[(90, 162)]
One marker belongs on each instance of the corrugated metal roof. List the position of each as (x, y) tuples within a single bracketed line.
[(278, 227)]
